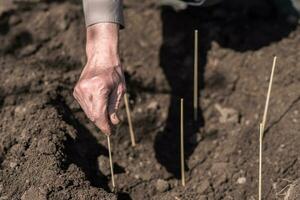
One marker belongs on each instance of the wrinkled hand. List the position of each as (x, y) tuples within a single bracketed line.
[(101, 86), (99, 94)]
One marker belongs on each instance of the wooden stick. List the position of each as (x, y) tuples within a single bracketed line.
[(262, 126), (129, 121), (268, 95), (111, 163), (261, 132), (196, 76), (182, 143)]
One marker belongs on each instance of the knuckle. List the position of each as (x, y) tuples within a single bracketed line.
[(76, 89), (96, 116), (104, 92), (83, 85), (74, 94), (102, 84)]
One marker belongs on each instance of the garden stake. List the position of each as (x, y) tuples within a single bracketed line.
[(260, 160), (262, 128), (196, 76), (129, 120), (182, 143), (111, 163), (268, 94)]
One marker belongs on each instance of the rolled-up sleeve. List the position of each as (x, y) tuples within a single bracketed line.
[(101, 11)]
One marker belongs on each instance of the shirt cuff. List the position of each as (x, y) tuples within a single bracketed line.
[(103, 11)]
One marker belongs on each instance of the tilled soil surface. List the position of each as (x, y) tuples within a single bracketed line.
[(49, 150)]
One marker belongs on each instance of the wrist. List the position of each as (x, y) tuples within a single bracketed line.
[(102, 39), (102, 42)]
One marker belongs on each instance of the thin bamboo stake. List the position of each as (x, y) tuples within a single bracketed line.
[(129, 121), (111, 163), (196, 76), (268, 94), (262, 126), (261, 132), (182, 143)]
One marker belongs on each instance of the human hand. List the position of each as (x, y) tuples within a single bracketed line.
[(101, 85)]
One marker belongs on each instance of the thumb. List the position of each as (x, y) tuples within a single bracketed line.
[(114, 103)]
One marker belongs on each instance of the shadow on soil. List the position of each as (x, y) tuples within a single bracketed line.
[(241, 26), (123, 196), (84, 149)]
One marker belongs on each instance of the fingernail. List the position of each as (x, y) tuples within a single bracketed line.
[(114, 119)]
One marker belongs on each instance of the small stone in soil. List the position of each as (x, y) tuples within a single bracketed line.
[(241, 180), (153, 105), (103, 164), (13, 164), (162, 185), (28, 50), (228, 115)]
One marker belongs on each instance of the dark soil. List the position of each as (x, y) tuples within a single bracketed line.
[(49, 150)]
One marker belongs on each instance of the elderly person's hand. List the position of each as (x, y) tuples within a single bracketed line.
[(101, 85)]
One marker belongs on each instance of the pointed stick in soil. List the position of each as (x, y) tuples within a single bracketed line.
[(111, 163), (196, 76), (262, 129), (129, 120), (182, 143), (261, 132), (268, 95)]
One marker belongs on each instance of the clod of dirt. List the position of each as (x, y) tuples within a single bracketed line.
[(103, 164), (202, 197), (162, 185), (34, 193), (294, 191), (6, 6), (13, 20), (228, 115), (219, 173), (203, 187), (28, 50), (146, 176)]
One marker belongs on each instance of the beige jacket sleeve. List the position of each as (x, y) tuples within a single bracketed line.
[(99, 11)]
